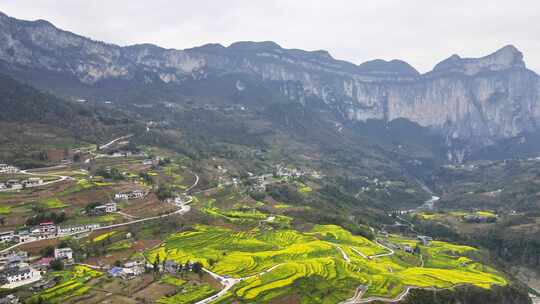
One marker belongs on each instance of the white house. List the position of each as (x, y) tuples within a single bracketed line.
[(6, 236), (135, 194), (33, 182), (47, 228), (77, 229), (24, 236), (110, 207), (20, 275), (104, 209), (7, 169), (63, 254)]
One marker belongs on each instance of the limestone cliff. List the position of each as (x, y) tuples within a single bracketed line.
[(474, 100)]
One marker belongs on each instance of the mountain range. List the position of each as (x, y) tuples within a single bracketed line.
[(471, 103)]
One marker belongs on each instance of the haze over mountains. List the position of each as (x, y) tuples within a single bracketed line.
[(471, 102)]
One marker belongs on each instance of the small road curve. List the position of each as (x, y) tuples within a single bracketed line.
[(389, 253), (380, 255), (411, 225), (195, 183), (105, 146), (359, 253), (398, 298), (344, 254), (61, 178), (184, 208), (126, 215), (229, 283)]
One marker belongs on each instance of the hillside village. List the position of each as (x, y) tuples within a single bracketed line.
[(98, 217)]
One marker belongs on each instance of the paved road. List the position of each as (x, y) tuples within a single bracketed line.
[(194, 184), (105, 146), (229, 283), (358, 300), (344, 254), (183, 209), (61, 178), (359, 253), (389, 253)]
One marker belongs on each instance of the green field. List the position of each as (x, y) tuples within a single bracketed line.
[(5, 210), (189, 294), (72, 284), (53, 203), (325, 257)]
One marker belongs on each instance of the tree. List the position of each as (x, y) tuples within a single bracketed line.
[(417, 250), (47, 251), (197, 268), (57, 265), (156, 265), (90, 207)]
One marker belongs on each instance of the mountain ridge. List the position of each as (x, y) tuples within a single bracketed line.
[(472, 102)]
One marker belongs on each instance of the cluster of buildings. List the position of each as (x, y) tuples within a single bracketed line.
[(45, 230), (16, 269), (259, 182), (478, 218), (283, 171), (16, 184), (132, 269), (129, 195), (7, 169)]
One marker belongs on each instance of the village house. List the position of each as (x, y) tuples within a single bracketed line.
[(6, 236), (24, 236), (9, 299), (33, 182), (77, 229), (13, 258), (7, 169), (43, 264), (104, 209), (132, 269), (14, 184), (171, 266), (63, 254), (408, 249), (115, 272), (47, 228), (19, 275), (147, 162), (129, 195), (425, 239)]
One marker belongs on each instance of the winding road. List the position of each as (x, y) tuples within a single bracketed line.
[(61, 178), (105, 146), (229, 283), (184, 208)]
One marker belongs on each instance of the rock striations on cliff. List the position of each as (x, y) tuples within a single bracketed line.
[(473, 100)]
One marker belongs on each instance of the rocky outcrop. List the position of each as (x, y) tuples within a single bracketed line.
[(473, 100)]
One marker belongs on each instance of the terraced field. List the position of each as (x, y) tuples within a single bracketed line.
[(72, 284), (328, 257)]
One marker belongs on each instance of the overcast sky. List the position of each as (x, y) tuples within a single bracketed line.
[(421, 32)]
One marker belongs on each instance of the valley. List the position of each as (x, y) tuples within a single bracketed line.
[(255, 173)]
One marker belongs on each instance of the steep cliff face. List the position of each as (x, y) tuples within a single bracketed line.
[(474, 100)]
